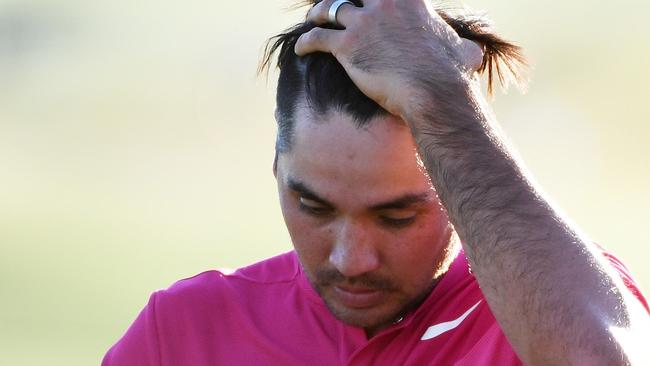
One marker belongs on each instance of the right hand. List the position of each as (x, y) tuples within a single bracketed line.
[(392, 49)]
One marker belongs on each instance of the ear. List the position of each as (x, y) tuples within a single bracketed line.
[(276, 114), (275, 165)]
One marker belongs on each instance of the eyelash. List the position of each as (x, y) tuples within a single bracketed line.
[(387, 221), (315, 211), (397, 223)]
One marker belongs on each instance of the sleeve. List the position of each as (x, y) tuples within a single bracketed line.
[(626, 276), (139, 346)]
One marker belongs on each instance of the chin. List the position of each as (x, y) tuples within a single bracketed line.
[(376, 317), (372, 318)]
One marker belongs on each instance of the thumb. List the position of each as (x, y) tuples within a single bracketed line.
[(472, 54)]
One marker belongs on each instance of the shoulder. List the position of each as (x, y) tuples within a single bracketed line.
[(210, 305), (280, 268), (215, 286)]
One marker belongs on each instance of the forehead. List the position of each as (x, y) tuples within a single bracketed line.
[(361, 164)]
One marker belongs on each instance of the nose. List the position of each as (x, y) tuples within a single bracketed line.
[(354, 252)]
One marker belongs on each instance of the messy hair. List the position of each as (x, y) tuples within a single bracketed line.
[(319, 79)]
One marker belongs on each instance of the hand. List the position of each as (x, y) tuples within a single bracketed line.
[(391, 49)]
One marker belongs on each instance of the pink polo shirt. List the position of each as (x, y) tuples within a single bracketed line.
[(268, 314)]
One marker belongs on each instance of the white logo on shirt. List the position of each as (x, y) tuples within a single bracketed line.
[(437, 329)]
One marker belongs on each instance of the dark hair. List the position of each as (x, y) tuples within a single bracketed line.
[(321, 81)]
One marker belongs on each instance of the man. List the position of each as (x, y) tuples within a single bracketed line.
[(387, 159)]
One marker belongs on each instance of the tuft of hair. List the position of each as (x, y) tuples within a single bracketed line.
[(501, 58), (320, 80)]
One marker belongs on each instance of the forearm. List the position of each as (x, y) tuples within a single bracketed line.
[(552, 293), (547, 286)]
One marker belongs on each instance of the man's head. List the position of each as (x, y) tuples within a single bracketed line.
[(362, 214), (360, 208)]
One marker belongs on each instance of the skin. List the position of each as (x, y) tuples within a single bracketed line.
[(364, 219), (552, 292)]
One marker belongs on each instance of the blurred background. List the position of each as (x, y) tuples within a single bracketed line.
[(136, 144)]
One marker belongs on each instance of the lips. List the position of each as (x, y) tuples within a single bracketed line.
[(358, 297)]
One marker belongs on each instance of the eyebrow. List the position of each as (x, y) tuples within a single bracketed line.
[(401, 202), (404, 201), (306, 191)]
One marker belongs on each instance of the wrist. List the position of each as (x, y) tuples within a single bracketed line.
[(444, 103)]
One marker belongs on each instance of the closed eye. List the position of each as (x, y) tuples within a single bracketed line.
[(398, 218), (314, 207), (397, 222)]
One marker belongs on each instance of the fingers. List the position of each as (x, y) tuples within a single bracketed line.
[(317, 40), (328, 40), (322, 39), (319, 14)]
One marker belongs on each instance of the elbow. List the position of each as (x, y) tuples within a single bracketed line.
[(603, 355), (607, 355), (611, 346)]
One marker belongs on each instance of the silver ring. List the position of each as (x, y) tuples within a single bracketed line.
[(334, 8)]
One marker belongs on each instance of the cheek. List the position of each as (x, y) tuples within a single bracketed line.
[(428, 236), (420, 253), (312, 242)]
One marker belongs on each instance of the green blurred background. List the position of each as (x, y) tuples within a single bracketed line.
[(136, 145)]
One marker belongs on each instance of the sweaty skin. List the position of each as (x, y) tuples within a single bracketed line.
[(553, 294)]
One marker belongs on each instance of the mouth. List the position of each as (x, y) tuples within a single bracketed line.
[(358, 297)]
